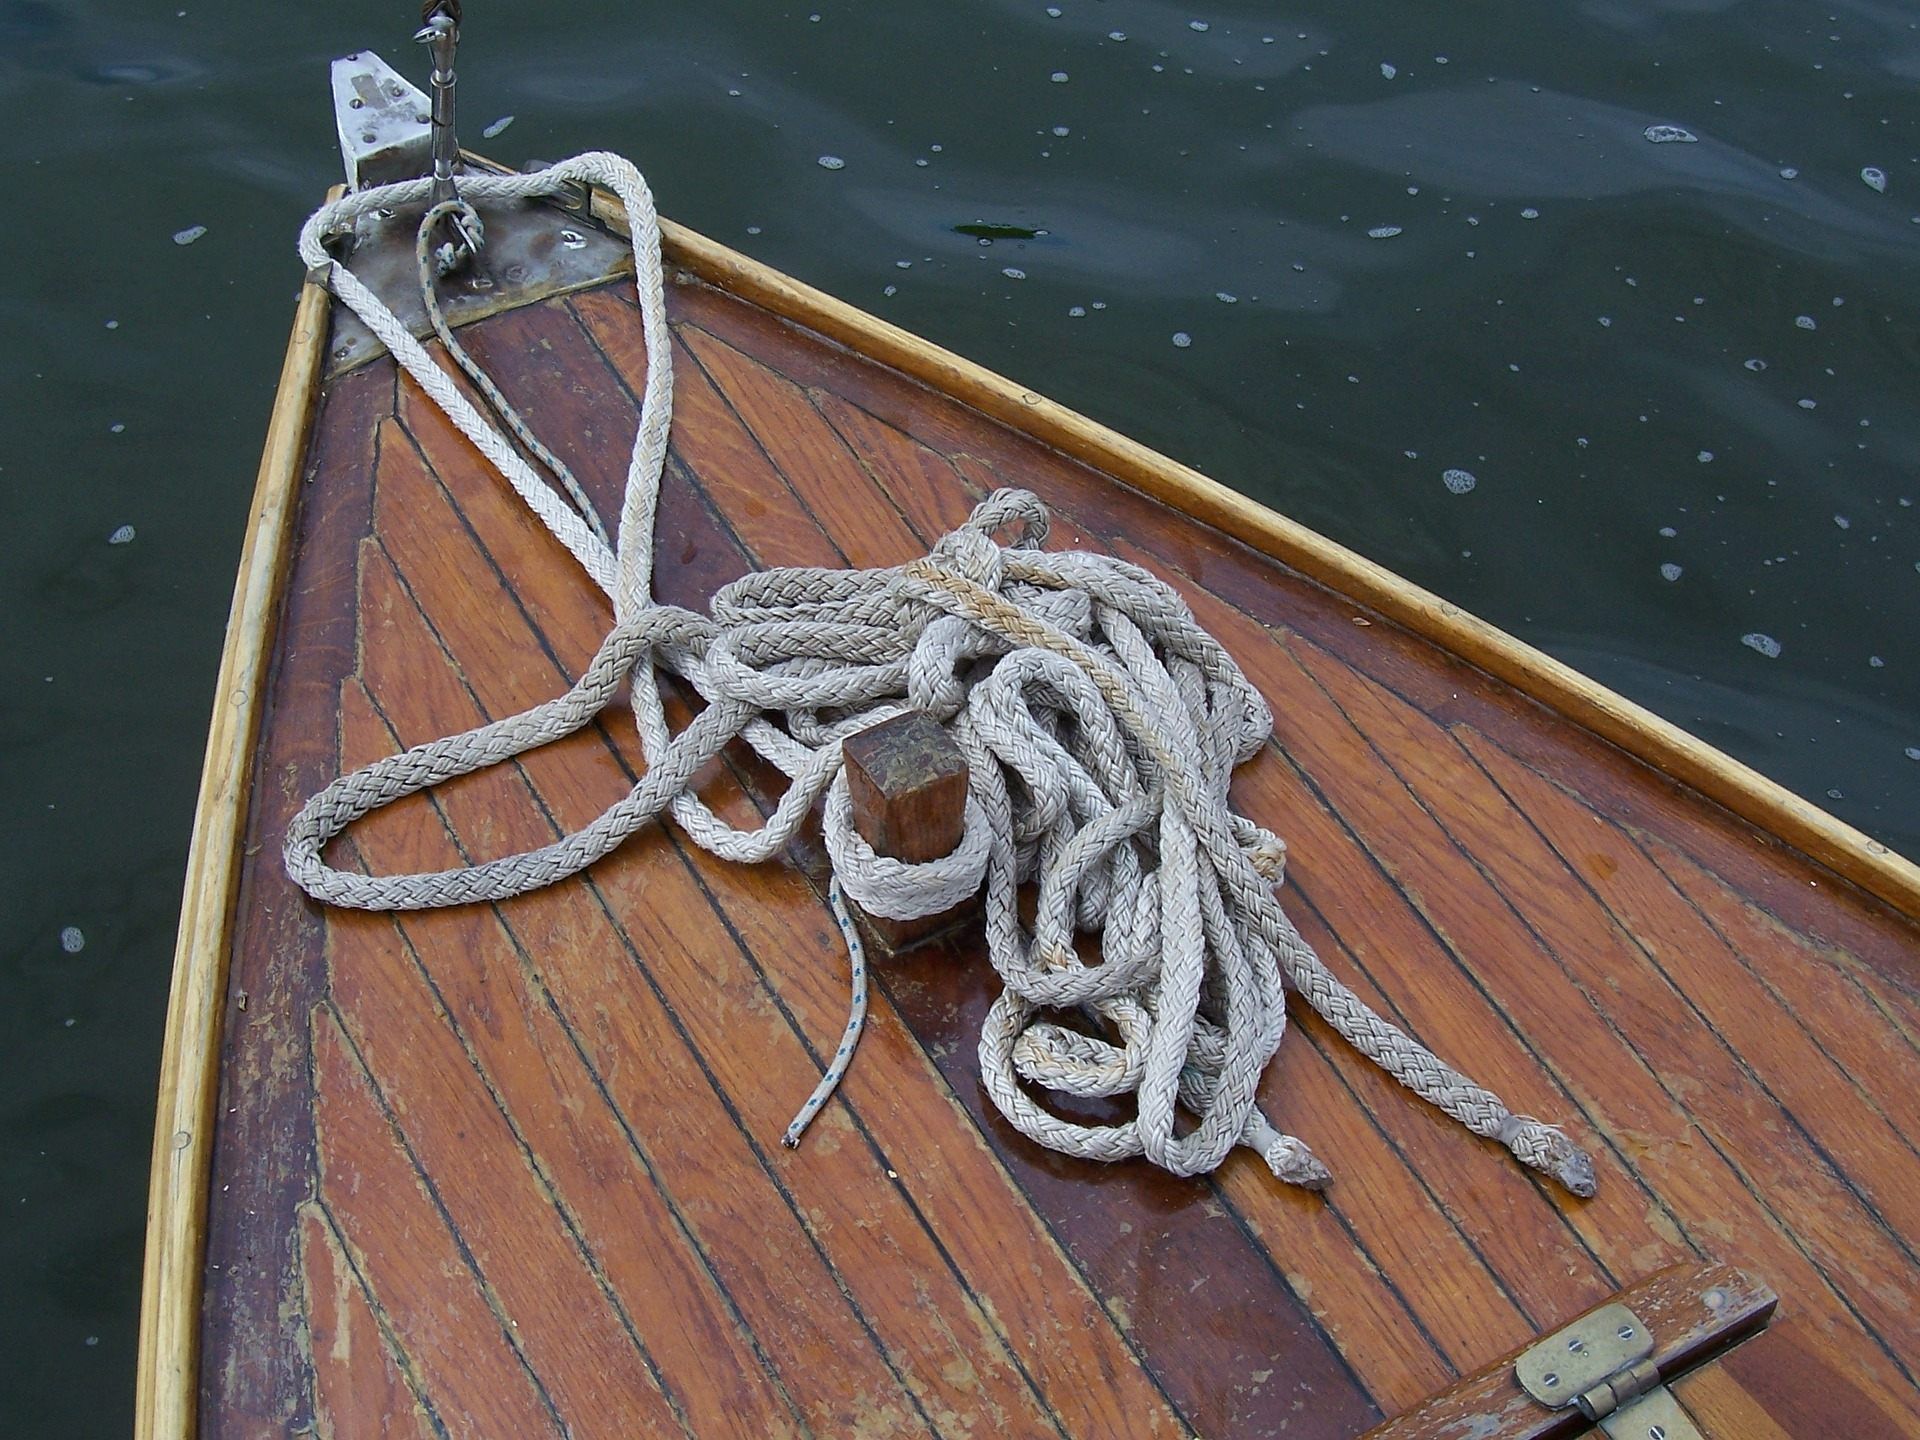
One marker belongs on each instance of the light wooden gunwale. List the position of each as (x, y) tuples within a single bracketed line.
[(1849, 853), (167, 1380)]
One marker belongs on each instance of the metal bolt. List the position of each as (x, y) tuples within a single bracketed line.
[(398, 92), (1656, 1432), (1716, 1298), (573, 239), (1625, 1332), (356, 103), (1577, 1345), (1550, 1379), (368, 137)]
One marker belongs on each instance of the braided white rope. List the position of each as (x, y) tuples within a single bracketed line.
[(1101, 726)]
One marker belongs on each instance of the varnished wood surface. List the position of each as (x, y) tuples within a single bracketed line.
[(515, 1169)]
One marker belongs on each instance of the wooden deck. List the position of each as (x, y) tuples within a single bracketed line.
[(513, 1170)]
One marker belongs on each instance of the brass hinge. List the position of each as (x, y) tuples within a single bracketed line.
[(1603, 1364)]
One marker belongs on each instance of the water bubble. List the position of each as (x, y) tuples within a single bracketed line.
[(113, 324), (1383, 232), (1458, 482), (499, 127), (1059, 77), (1116, 35), (1099, 304), (1670, 571), (1765, 644), (189, 235), (1012, 273), (1912, 752), (1606, 322), (1876, 662), (1806, 404), (1529, 214), (1182, 339), (1788, 172), (1199, 25), (1077, 312), (1387, 70), (1053, 12), (1062, 131), (831, 162), (118, 427), (1667, 532), (72, 941), (1669, 135), (1225, 298), (122, 536), (1756, 364), (1843, 522), (1875, 178), (1806, 322), (1704, 457)]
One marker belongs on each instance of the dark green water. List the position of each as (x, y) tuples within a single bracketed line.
[(1568, 311)]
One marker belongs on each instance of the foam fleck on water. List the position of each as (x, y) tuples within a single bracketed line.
[(1013, 273), (831, 162), (1806, 322), (189, 235), (1200, 25), (1383, 232), (1756, 364), (1182, 339), (1670, 571), (1788, 172), (1912, 752), (1059, 77), (1387, 70), (499, 127), (72, 941), (1226, 297), (1704, 457), (1875, 178), (1843, 522), (1764, 644), (1529, 214), (1669, 135), (1077, 312), (1458, 482), (1116, 35), (122, 536)]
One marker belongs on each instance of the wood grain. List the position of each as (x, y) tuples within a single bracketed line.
[(522, 1155)]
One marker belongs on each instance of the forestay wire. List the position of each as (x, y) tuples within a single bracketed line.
[(1100, 725)]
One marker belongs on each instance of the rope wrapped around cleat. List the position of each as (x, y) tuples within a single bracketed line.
[(1101, 726)]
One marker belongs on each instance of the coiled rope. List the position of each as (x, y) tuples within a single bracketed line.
[(1101, 726)]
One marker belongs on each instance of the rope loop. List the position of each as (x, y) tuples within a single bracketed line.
[(1101, 726)]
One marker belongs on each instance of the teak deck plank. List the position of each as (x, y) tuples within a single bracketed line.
[(514, 1166), (355, 1368), (704, 1007)]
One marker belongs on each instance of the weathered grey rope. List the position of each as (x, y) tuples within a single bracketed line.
[(1101, 726), (429, 262)]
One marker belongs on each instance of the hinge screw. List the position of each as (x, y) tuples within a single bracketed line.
[(1550, 1379), (1625, 1332), (1657, 1432), (1577, 1345)]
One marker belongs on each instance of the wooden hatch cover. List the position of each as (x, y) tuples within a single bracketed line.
[(514, 1169)]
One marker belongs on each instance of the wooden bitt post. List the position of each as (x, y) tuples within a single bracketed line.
[(908, 783)]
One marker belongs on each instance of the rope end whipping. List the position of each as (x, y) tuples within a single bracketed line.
[(1547, 1149), (1287, 1156)]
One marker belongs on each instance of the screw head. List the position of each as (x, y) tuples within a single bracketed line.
[(1550, 1379), (1625, 1332)]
